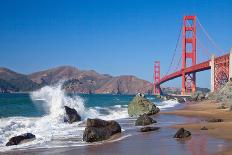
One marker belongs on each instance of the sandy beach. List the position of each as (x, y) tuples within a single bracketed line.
[(206, 110)]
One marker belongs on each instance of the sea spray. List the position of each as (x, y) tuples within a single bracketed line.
[(50, 129), (55, 99)]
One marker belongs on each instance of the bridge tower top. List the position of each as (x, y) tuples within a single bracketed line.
[(188, 53)]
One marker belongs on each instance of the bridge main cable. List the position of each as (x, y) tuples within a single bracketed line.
[(175, 50)]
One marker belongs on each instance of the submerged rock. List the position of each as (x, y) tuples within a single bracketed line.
[(215, 120), (149, 128), (204, 128), (72, 115), (98, 130), (20, 139), (182, 133), (140, 105), (143, 120)]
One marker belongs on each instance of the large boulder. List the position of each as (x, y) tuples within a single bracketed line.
[(143, 120), (140, 105), (182, 133), (98, 130), (20, 139), (71, 115)]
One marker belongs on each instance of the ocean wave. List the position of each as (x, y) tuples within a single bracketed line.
[(50, 128), (167, 104)]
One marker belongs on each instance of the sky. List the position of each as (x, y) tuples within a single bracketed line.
[(117, 37)]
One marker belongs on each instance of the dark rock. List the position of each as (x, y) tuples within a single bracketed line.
[(20, 139), (98, 130), (149, 128), (143, 120), (72, 115), (215, 120), (180, 99), (204, 128), (140, 105), (182, 133)]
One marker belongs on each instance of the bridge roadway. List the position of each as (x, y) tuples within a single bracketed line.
[(192, 69)]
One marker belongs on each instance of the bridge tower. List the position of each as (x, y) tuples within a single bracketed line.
[(188, 53), (157, 89)]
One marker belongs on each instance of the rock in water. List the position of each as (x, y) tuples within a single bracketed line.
[(143, 120), (98, 130), (140, 105), (180, 99), (149, 128), (204, 128), (20, 139), (182, 133), (72, 115), (215, 120)]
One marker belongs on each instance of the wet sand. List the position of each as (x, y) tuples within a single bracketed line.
[(157, 142), (206, 110)]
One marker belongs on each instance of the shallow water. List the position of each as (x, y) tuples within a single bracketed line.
[(42, 113), (132, 142)]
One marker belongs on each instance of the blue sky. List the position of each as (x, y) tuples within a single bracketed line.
[(110, 36)]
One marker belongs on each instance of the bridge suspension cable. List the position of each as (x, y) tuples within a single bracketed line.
[(175, 50), (204, 49), (209, 38)]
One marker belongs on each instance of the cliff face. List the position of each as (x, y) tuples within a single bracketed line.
[(75, 80)]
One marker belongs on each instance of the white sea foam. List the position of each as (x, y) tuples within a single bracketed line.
[(50, 128), (167, 104)]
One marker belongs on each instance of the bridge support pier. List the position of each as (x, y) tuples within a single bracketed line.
[(212, 72)]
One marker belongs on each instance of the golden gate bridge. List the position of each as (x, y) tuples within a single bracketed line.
[(221, 66)]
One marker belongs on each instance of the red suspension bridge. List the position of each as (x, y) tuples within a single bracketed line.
[(221, 67)]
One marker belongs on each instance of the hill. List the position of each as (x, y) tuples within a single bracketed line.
[(75, 81), (11, 81)]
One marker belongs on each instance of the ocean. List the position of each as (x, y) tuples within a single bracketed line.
[(42, 112)]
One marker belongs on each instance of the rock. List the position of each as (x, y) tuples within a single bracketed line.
[(72, 115), (230, 108), (223, 94), (140, 105), (148, 128), (98, 130), (182, 133), (215, 120), (180, 99), (204, 128), (20, 139), (221, 106), (197, 96), (143, 120)]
